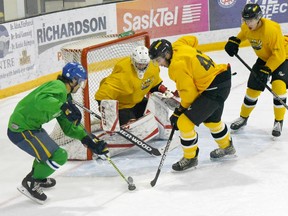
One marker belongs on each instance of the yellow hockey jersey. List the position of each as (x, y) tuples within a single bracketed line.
[(267, 41), (191, 70), (124, 85)]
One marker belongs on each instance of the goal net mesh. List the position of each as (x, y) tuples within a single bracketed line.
[(98, 55)]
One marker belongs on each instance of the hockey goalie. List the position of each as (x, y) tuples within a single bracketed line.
[(123, 102)]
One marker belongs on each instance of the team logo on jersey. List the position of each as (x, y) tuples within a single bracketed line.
[(256, 44), (226, 3), (15, 126), (146, 83)]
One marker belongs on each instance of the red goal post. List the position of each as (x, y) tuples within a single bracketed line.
[(98, 55)]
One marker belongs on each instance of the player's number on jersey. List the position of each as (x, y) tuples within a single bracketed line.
[(205, 61)]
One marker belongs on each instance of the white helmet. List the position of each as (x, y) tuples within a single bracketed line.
[(140, 60)]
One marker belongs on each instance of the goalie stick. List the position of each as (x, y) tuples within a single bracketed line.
[(127, 135)]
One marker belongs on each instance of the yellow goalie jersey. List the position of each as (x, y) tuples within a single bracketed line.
[(124, 85), (191, 70), (268, 42)]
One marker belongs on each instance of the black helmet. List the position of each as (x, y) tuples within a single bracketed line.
[(160, 48), (251, 11)]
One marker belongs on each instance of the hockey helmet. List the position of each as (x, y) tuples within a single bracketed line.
[(74, 71), (140, 60), (252, 11), (160, 48)]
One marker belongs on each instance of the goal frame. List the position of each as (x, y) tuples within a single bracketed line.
[(84, 53)]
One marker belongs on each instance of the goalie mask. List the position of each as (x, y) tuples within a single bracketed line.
[(140, 60), (75, 73)]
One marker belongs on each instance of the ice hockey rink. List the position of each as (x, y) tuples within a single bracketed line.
[(255, 183)]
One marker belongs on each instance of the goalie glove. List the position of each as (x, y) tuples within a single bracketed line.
[(174, 117), (97, 146)]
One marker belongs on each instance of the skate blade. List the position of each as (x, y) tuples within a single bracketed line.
[(275, 138), (24, 191), (232, 131), (225, 158), (185, 170)]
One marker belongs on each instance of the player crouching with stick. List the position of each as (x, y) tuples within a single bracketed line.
[(203, 87), (50, 100)]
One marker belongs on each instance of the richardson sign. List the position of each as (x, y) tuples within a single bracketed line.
[(163, 18)]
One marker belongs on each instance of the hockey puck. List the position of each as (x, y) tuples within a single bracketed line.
[(131, 187)]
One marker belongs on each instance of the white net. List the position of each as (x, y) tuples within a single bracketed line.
[(98, 55)]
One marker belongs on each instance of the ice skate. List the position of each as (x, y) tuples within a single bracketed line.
[(239, 123), (45, 183), (185, 163), (32, 189), (277, 128), (220, 153)]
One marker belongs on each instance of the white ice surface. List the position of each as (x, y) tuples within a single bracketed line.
[(253, 184)]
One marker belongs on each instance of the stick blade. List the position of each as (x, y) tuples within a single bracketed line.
[(153, 182)]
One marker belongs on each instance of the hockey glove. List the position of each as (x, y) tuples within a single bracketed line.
[(174, 117), (263, 73), (97, 146), (232, 46), (71, 112)]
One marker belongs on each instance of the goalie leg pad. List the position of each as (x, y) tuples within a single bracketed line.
[(110, 116), (159, 109), (144, 128)]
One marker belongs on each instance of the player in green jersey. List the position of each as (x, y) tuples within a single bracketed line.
[(50, 100)]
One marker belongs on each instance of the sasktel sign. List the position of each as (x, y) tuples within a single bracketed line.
[(163, 18)]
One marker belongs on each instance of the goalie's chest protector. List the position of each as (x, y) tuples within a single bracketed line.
[(143, 86)]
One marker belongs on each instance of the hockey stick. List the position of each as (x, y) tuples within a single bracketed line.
[(266, 86), (129, 180), (153, 182), (127, 135)]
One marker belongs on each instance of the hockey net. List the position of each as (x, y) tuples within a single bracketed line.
[(98, 55)]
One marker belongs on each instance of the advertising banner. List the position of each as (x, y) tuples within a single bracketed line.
[(17, 53), (31, 48), (163, 17), (226, 14), (52, 31)]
